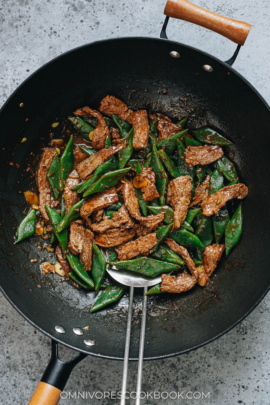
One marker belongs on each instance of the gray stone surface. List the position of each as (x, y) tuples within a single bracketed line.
[(234, 368)]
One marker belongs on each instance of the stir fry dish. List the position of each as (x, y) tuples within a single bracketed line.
[(155, 197)]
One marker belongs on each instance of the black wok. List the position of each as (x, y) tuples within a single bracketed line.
[(136, 70)]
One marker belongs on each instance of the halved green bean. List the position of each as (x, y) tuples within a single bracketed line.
[(168, 212), (106, 181), (125, 154), (63, 207), (27, 227), (70, 216), (233, 182), (83, 127), (170, 143), (216, 182), (167, 255), (62, 236), (234, 230), (204, 231), (182, 122), (161, 176), (191, 142), (98, 267), (110, 295), (52, 238), (108, 142), (187, 226), (87, 150), (148, 161), (227, 168), (147, 266), (123, 126), (133, 163), (53, 177), (116, 206), (79, 269), (201, 172), (209, 136), (113, 256), (169, 164), (191, 214), (161, 233), (220, 222), (186, 238), (183, 168), (100, 170), (154, 290), (138, 193), (66, 163), (153, 127)]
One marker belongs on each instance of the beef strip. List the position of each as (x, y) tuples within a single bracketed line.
[(86, 255), (166, 127), (79, 156), (140, 246), (115, 133), (201, 192), (177, 284), (149, 224), (97, 215), (212, 204), (120, 219), (101, 131), (141, 129), (90, 164), (71, 197), (76, 238), (98, 201), (44, 187), (211, 256), (65, 265), (130, 199), (202, 155), (183, 252), (179, 196), (114, 237), (149, 191), (111, 105)]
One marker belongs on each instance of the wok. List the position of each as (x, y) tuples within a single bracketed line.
[(136, 70)]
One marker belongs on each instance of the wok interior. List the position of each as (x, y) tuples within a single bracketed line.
[(136, 71)]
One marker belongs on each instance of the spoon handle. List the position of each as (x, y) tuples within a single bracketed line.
[(125, 369), (141, 349)]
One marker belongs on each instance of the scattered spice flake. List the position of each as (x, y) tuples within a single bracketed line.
[(11, 164), (21, 104), (55, 124), (33, 260), (27, 119), (23, 140), (17, 166), (164, 91), (86, 327), (39, 286)]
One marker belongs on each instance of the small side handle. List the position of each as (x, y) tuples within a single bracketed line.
[(234, 30)]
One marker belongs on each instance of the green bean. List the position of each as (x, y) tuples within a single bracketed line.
[(147, 266), (106, 181), (148, 161), (53, 177), (113, 256), (110, 295), (191, 214), (161, 176), (81, 126), (170, 143), (186, 238), (123, 126), (234, 230), (169, 164), (227, 168), (162, 233), (79, 269), (108, 142), (55, 219), (89, 151), (133, 163), (98, 267), (27, 227), (166, 254), (153, 127), (191, 142), (183, 168), (63, 207), (155, 290), (70, 216), (139, 194), (187, 226), (182, 122), (201, 172), (204, 231), (66, 163), (116, 206), (209, 136), (125, 154), (220, 222), (168, 212), (216, 182)]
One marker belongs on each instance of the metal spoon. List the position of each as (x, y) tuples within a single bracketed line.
[(133, 280)]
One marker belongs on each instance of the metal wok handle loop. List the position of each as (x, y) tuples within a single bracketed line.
[(54, 378), (236, 31)]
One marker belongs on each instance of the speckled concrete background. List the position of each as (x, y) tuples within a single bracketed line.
[(235, 368)]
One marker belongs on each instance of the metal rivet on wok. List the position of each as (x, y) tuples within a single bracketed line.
[(60, 329), (89, 342), (78, 331), (208, 68), (175, 54)]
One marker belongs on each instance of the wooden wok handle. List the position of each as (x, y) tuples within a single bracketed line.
[(45, 394), (236, 31)]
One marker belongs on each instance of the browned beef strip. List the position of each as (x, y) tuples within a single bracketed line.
[(71, 197), (201, 192), (64, 263), (149, 191), (140, 246), (211, 256), (141, 129), (76, 238), (111, 105), (149, 224), (212, 204), (101, 131), (183, 252), (86, 255), (130, 199), (115, 133), (177, 284), (79, 156), (44, 187), (179, 196), (98, 201), (86, 167), (202, 155), (166, 127), (120, 219), (97, 215), (114, 237)]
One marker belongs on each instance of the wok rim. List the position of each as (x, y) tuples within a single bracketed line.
[(139, 38)]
